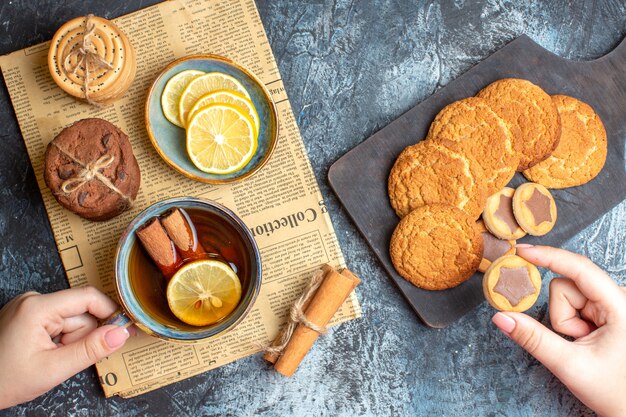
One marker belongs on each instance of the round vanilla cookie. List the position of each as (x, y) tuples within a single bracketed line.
[(512, 283), (470, 127), (534, 208), (428, 173), (493, 247), (581, 152), (106, 83), (499, 218), (436, 247), (531, 116)]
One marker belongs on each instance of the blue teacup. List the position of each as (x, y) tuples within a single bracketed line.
[(144, 302)]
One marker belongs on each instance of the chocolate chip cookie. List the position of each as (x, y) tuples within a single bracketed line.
[(91, 170)]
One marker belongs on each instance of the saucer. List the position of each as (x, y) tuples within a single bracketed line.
[(169, 139)]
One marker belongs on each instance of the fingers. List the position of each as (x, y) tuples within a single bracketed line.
[(133, 330), (545, 345), (592, 281), (65, 361), (76, 301), (77, 327), (16, 300), (566, 301)]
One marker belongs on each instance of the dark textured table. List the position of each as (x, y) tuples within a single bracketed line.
[(350, 67)]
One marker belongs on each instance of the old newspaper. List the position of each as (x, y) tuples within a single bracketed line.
[(285, 192)]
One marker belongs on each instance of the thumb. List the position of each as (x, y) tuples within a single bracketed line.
[(545, 345), (68, 360)]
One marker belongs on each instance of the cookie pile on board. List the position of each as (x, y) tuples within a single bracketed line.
[(440, 186)]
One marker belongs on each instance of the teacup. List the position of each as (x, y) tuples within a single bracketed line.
[(141, 290)]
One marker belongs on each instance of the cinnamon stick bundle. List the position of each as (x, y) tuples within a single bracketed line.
[(160, 248), (318, 311), (272, 355), (183, 233), (172, 240)]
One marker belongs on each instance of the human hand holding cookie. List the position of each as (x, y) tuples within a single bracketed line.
[(587, 305)]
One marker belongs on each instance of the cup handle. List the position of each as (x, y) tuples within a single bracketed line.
[(119, 318)]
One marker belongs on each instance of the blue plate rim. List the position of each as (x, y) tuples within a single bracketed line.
[(273, 113)]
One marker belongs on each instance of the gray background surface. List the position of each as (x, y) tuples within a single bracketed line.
[(350, 67)]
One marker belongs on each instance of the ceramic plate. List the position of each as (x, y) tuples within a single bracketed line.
[(169, 139)]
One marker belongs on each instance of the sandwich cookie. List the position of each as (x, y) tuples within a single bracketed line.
[(493, 248), (512, 284), (534, 208), (499, 218)]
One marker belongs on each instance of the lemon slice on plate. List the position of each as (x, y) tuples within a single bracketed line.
[(205, 84), (203, 292), (172, 92), (227, 97), (221, 139)]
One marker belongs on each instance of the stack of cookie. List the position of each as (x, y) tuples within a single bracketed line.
[(92, 59), (91, 170), (440, 186), (511, 283)]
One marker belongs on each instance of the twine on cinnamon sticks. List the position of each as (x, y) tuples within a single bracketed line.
[(309, 315), (296, 316)]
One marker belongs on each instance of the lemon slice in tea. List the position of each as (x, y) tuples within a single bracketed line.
[(203, 292), (172, 92), (220, 139), (205, 84), (227, 97)]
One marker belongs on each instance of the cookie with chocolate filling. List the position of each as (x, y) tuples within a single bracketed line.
[(581, 152), (493, 247), (512, 284), (531, 116), (91, 170), (428, 173), (471, 128), (499, 218), (534, 208), (436, 247)]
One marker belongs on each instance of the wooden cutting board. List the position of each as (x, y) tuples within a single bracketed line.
[(359, 178)]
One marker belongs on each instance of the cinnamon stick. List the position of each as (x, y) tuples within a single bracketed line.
[(272, 357), (160, 248), (329, 297), (183, 233)]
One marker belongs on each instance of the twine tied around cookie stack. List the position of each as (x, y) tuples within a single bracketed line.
[(92, 59), (324, 294), (90, 171)]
